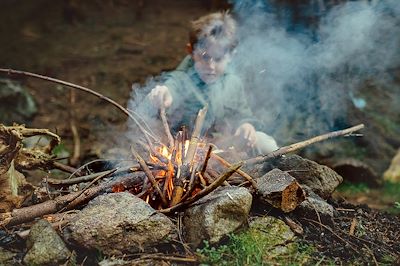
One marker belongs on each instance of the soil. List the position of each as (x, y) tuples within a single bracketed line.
[(109, 45), (375, 238)]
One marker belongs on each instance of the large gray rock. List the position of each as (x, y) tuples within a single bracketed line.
[(45, 246), (314, 207), (320, 178), (17, 105), (219, 213), (119, 223)]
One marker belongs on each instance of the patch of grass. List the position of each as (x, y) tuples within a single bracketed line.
[(353, 188), (392, 190), (247, 249)]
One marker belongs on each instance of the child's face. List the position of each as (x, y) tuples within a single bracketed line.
[(210, 63)]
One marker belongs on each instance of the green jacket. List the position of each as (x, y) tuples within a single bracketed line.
[(226, 99)]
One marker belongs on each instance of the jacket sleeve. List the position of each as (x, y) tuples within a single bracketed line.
[(238, 110)]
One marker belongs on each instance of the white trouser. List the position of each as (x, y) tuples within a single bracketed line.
[(265, 143)]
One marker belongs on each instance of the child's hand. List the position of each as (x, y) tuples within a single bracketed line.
[(160, 96), (248, 133)]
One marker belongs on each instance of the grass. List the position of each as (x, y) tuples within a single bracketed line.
[(250, 248), (388, 195)]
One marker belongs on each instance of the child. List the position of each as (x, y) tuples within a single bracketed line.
[(202, 79)]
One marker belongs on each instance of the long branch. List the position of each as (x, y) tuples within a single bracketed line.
[(71, 85), (302, 144)]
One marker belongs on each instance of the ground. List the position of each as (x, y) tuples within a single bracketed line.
[(107, 46)]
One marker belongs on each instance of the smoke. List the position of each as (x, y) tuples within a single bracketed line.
[(303, 74), (303, 69)]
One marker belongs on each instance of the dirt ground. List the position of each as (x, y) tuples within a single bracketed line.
[(109, 45), (103, 45)]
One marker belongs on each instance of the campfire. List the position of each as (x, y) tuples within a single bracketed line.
[(183, 167)]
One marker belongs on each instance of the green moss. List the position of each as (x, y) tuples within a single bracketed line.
[(262, 244)]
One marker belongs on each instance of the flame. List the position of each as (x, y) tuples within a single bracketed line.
[(164, 152)]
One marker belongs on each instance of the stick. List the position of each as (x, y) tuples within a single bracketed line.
[(195, 136), (240, 172), (26, 214), (166, 127), (86, 178), (302, 144), (203, 169), (108, 173), (75, 134), (205, 191), (65, 168), (71, 85), (149, 175)]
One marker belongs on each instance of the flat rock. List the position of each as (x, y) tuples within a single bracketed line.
[(216, 215), (119, 223), (45, 246)]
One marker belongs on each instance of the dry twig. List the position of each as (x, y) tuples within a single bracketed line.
[(166, 128), (71, 85), (149, 176), (302, 144)]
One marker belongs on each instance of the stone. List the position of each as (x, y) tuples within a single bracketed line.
[(273, 234), (314, 207), (7, 257), (17, 105), (119, 223), (356, 171), (216, 215), (320, 178), (280, 189), (45, 246), (392, 174)]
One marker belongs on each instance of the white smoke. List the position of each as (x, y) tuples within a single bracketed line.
[(307, 81)]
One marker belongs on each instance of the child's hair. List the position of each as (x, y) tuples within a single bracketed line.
[(216, 28)]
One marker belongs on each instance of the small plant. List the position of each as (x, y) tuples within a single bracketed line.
[(246, 248), (397, 205)]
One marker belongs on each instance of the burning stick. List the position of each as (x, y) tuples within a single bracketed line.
[(203, 169), (149, 176), (166, 127), (188, 159), (195, 136), (302, 144), (205, 191)]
